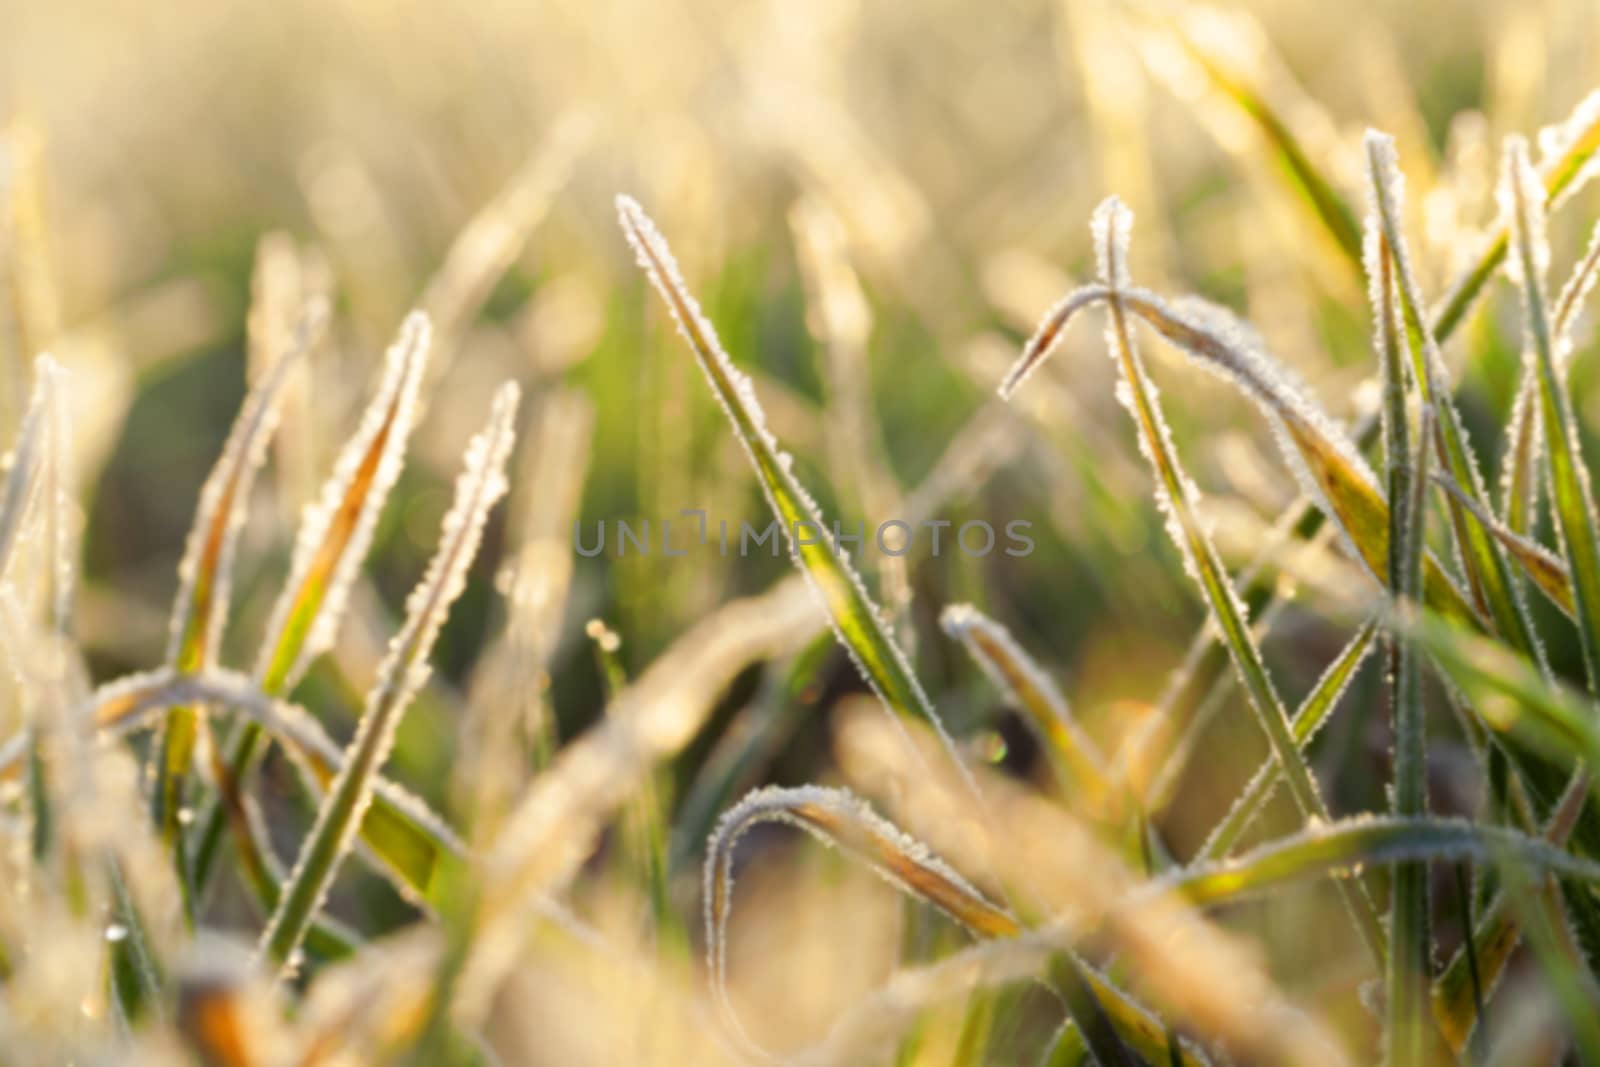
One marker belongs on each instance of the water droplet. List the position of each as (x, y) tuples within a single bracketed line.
[(116, 932)]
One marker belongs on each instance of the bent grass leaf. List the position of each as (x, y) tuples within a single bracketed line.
[(837, 818), (333, 539), (1176, 496), (1323, 458), (854, 616), (480, 486), (1548, 573)]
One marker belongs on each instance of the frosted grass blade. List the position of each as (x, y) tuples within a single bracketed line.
[(206, 571), (479, 487), (335, 533), (1519, 473), (1326, 462), (836, 818), (1571, 497), (1177, 496), (859, 624), (1493, 587)]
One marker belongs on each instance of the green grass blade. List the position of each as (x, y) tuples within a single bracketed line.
[(1177, 497), (1570, 494), (1338, 849), (1487, 570), (855, 618), (1406, 1031), (404, 670), (1519, 478)]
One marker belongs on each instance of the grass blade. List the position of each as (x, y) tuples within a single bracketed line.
[(27, 459), (1309, 718), (836, 818), (480, 486), (1338, 848), (1522, 200), (1406, 1031), (1327, 463), (334, 536), (1519, 474), (1177, 497), (206, 571), (857, 620), (1489, 575)]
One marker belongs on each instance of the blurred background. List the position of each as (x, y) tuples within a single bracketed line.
[(875, 203)]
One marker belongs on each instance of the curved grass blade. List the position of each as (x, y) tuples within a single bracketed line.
[(1309, 718), (857, 620), (206, 572), (334, 536), (837, 818), (480, 486), (1078, 766), (1176, 496), (1323, 458)]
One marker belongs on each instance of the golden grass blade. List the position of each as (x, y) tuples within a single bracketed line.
[(334, 536), (491, 241), (836, 818), (29, 303), (1078, 765), (1546, 570), (826, 566), (1227, 49), (480, 486), (1177, 498), (27, 459)]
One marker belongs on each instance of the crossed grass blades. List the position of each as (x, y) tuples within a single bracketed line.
[(1067, 888)]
